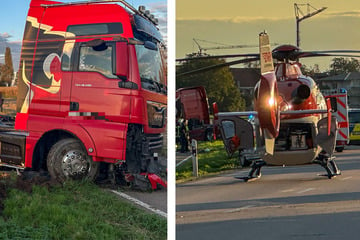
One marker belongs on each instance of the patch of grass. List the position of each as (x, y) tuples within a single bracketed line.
[(212, 159), (75, 211)]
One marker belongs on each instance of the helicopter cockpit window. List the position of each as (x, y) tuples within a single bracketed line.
[(279, 73), (291, 71), (228, 128)]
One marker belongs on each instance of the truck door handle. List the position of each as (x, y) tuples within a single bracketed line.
[(74, 106)]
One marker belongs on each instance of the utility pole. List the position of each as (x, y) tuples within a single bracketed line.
[(299, 18)]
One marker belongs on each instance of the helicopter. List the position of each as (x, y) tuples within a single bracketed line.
[(292, 122)]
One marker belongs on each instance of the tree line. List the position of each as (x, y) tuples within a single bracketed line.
[(218, 82), (339, 65)]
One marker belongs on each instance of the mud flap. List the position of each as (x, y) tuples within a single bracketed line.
[(237, 133)]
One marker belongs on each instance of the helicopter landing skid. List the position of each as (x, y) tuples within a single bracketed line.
[(255, 172), (330, 166), (249, 179)]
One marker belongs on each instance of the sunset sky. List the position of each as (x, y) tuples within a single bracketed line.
[(236, 22)]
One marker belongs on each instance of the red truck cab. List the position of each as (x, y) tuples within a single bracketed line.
[(192, 105), (92, 89)]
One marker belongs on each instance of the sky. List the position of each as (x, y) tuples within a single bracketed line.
[(13, 14), (238, 22)]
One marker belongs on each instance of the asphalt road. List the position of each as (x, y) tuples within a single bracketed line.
[(286, 203), (156, 199)]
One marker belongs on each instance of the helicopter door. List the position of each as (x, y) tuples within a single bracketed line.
[(237, 133), (325, 141)]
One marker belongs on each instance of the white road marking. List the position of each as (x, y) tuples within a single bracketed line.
[(347, 178), (239, 209), (140, 203), (306, 190), (287, 190)]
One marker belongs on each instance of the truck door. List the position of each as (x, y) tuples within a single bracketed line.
[(94, 87)]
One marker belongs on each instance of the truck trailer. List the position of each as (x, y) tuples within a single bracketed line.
[(91, 94)]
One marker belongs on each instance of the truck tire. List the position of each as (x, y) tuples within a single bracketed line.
[(68, 159), (339, 149)]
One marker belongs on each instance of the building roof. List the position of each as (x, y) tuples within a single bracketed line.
[(248, 77), (342, 77)]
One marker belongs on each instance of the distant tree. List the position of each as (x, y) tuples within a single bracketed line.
[(7, 69), (310, 71), (341, 65), (218, 82)]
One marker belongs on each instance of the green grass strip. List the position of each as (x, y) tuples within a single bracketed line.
[(76, 211), (212, 159)]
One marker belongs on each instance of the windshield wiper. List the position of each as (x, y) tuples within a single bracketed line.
[(151, 84)]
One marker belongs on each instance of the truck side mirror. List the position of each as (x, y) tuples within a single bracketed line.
[(150, 45), (121, 68), (97, 44)]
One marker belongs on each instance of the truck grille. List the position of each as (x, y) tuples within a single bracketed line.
[(154, 141), (156, 114)]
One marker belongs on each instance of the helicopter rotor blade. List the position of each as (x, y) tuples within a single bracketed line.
[(281, 53), (204, 69), (293, 53), (217, 56), (333, 53)]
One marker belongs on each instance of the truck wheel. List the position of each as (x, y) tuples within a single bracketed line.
[(68, 159), (339, 149)]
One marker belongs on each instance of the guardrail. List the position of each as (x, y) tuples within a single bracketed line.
[(194, 157)]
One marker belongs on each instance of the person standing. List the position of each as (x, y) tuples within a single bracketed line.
[(184, 136)]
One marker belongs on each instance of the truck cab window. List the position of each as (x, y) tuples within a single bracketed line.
[(151, 68), (93, 60)]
